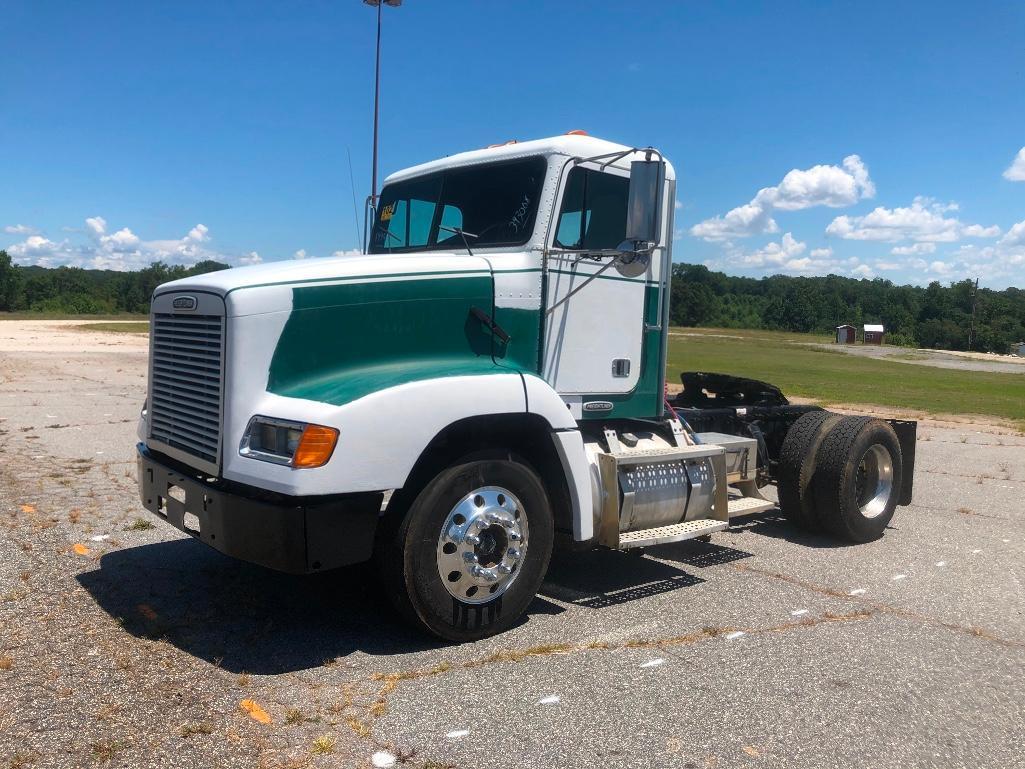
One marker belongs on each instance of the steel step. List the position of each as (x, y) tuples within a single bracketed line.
[(675, 532), (655, 456), (748, 505)]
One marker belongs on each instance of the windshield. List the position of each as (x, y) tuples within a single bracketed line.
[(494, 205)]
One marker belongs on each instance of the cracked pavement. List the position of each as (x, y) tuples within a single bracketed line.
[(126, 644)]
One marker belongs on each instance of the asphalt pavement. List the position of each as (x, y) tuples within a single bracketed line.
[(124, 643)]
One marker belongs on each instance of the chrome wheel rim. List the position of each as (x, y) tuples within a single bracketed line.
[(482, 544), (874, 481)]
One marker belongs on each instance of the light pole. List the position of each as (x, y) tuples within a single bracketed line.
[(377, 94)]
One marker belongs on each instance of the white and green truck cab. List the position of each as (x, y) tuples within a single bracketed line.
[(485, 383)]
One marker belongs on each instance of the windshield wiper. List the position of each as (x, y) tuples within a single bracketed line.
[(461, 233)]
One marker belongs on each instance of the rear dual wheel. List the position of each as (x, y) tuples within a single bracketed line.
[(840, 474)]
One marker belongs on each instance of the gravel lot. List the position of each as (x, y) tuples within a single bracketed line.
[(126, 644)]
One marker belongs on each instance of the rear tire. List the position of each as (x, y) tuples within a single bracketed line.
[(858, 478), (797, 460), (470, 553)]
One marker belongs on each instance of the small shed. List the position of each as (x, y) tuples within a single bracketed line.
[(846, 334), (873, 334)]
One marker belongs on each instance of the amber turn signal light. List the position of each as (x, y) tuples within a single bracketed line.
[(315, 447)]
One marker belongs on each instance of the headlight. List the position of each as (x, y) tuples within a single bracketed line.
[(283, 442)]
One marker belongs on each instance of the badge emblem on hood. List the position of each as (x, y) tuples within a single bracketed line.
[(184, 303)]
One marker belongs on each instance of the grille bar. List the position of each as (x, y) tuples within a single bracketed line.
[(186, 382)]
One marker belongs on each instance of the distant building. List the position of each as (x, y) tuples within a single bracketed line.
[(846, 334), (873, 334)]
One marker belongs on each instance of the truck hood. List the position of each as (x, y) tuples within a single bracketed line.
[(327, 270)]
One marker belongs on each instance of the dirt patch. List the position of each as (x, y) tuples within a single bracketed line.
[(64, 336)]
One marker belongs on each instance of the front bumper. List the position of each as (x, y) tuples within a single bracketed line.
[(298, 535)]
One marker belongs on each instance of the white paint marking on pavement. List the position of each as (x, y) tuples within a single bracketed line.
[(734, 635), (51, 416), (859, 591), (941, 564), (99, 452), (899, 577), (551, 699), (457, 734), (652, 663), (976, 552), (100, 537), (798, 612), (383, 759), (1005, 540)]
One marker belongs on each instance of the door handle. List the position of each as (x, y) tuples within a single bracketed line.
[(488, 321)]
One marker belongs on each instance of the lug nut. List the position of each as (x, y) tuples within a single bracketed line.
[(504, 568), (471, 539), (513, 552), (470, 557)]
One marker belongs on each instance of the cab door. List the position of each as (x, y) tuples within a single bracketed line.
[(594, 339)]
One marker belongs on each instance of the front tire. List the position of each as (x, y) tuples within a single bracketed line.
[(858, 478), (471, 552)]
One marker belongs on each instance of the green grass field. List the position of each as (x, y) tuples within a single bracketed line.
[(828, 376), (63, 316), (833, 377), (130, 327)]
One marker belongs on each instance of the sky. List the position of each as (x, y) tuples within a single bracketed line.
[(868, 139)]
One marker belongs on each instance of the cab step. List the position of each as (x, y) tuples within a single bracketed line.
[(676, 532), (748, 506)]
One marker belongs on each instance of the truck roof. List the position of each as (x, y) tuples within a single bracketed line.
[(567, 145)]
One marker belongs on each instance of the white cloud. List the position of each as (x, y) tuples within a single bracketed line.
[(917, 248), (97, 225), (978, 231), (251, 258), (300, 254), (776, 254), (1016, 171), (922, 221), (821, 185), (1015, 236), (822, 253), (36, 247), (678, 205), (20, 229), (348, 252), (863, 270), (120, 250)]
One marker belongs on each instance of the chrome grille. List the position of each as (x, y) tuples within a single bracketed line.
[(187, 365)]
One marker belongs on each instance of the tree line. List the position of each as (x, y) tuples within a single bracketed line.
[(936, 316), (74, 291)]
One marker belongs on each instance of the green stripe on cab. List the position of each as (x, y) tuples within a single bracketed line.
[(344, 341)]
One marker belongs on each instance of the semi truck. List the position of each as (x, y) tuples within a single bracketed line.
[(484, 383)]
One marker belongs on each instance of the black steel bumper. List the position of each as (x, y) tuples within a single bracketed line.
[(298, 535)]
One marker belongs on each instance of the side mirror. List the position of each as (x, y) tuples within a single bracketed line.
[(643, 219)]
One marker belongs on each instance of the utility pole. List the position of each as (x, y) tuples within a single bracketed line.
[(971, 328), (372, 200)]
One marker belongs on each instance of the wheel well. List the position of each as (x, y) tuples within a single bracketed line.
[(525, 436)]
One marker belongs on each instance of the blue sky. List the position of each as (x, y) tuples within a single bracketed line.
[(883, 136)]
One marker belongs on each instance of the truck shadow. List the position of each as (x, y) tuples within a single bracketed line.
[(774, 524), (245, 618), (597, 579)]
